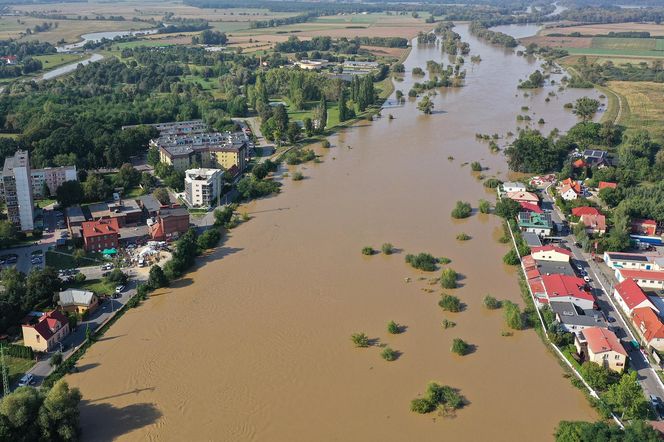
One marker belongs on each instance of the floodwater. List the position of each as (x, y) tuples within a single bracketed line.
[(96, 37), (71, 67), (254, 344)]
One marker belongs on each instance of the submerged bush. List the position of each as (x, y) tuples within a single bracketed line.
[(368, 250), (393, 328), (491, 303), (511, 258), (476, 166), (388, 354), (437, 395), (463, 236), (387, 248), (448, 279), (360, 340), (461, 210), (450, 303), (460, 347), (484, 206), (422, 261)]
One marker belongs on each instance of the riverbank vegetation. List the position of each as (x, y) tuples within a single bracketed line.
[(360, 340), (450, 303), (460, 347), (462, 210), (422, 261), (448, 278), (437, 396), (389, 354)]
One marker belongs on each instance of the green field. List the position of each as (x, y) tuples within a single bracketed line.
[(630, 44), (53, 61), (660, 44), (309, 106), (615, 52), (16, 367), (146, 43), (643, 105)]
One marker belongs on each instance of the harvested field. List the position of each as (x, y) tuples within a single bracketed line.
[(617, 60), (558, 42), (630, 44), (601, 46), (597, 29), (645, 105)]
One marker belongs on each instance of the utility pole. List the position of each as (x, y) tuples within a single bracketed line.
[(5, 376)]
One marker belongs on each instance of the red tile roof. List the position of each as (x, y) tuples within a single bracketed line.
[(579, 163), (646, 320), (100, 227), (573, 184), (523, 196), (48, 322), (601, 340), (607, 185), (631, 293), (549, 248), (653, 275), (530, 207), (564, 285), (594, 222), (584, 210)]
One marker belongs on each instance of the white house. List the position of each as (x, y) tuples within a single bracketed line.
[(513, 187), (568, 193), (631, 261), (653, 280), (629, 296), (202, 186), (550, 253)]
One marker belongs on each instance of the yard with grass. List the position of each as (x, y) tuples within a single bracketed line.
[(16, 368), (643, 105), (307, 112), (61, 259), (97, 286), (53, 61)]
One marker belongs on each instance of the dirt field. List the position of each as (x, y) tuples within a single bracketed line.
[(558, 42), (606, 28), (618, 60), (645, 105)]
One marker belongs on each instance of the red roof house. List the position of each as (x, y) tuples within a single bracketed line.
[(647, 227), (584, 210), (579, 163), (101, 234), (530, 207), (630, 296), (594, 223), (42, 332), (646, 279), (601, 346), (527, 197), (568, 288), (550, 253), (607, 185), (650, 327)]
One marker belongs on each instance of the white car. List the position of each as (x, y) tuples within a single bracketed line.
[(27, 379), (119, 289)]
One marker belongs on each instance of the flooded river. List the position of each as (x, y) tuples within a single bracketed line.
[(254, 344)]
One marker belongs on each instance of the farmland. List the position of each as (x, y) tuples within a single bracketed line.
[(602, 46), (600, 29), (643, 105)]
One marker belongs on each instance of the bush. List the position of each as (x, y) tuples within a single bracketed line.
[(437, 395), (360, 340), (463, 236), (297, 176), (387, 248), (368, 250), (444, 260), (298, 156), (460, 347), (79, 278), (475, 166), (388, 354), (492, 183), (513, 317), (450, 303), (448, 324), (117, 277), (422, 261), (491, 303), (461, 210), (511, 258), (393, 328), (421, 406), (448, 279), (208, 239), (484, 206)]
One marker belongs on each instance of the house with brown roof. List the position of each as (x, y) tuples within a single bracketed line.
[(100, 234), (646, 227), (602, 346), (607, 185), (594, 223), (44, 331), (170, 223), (523, 197), (650, 327)]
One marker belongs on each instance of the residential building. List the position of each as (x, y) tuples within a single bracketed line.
[(596, 158), (101, 234), (178, 127), (149, 204), (550, 253), (595, 224), (75, 219), (208, 150), (645, 227), (531, 239), (17, 191), (573, 319), (364, 66), (169, 224), (630, 296), (202, 187), (607, 185), (77, 301), (523, 197), (44, 331), (568, 193), (631, 261), (51, 178), (601, 346), (653, 279), (312, 65), (539, 223), (511, 186), (535, 268), (127, 212), (650, 327), (530, 207), (584, 210), (568, 288)]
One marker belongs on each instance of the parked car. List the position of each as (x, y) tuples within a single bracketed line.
[(657, 405), (27, 379), (119, 289)]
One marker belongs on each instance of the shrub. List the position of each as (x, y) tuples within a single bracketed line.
[(447, 324), (511, 258), (448, 279), (444, 260), (461, 210), (491, 303), (484, 206), (388, 354), (387, 248), (460, 347), (513, 317), (297, 176), (475, 166), (492, 183), (421, 406), (360, 340), (208, 239), (79, 278), (463, 236), (450, 303), (422, 261), (437, 395), (393, 328)]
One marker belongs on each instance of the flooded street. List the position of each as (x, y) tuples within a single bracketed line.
[(255, 344)]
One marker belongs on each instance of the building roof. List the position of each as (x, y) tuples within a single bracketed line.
[(631, 293), (607, 185), (531, 239), (584, 210), (570, 314), (566, 188), (529, 219), (652, 275), (75, 214), (649, 222), (551, 248), (19, 159), (638, 257), (646, 320), (530, 207), (601, 340), (555, 268), (47, 324), (173, 212), (100, 227), (522, 196), (595, 154), (514, 184), (564, 285), (149, 203), (75, 297), (579, 163), (595, 222)]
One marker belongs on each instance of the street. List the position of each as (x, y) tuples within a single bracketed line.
[(602, 287)]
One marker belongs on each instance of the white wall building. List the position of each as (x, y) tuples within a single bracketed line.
[(17, 190), (202, 186), (52, 177)]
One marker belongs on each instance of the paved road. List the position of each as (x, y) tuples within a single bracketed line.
[(601, 284)]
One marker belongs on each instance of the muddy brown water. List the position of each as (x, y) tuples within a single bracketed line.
[(254, 344)]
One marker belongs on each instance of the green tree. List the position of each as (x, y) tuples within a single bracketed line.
[(627, 397), (19, 415), (55, 360), (597, 376), (8, 234), (69, 193), (343, 105), (425, 105), (157, 277), (586, 107), (162, 195), (58, 415), (448, 279), (450, 303), (460, 347)]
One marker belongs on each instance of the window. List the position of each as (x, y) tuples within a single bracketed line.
[(37, 336)]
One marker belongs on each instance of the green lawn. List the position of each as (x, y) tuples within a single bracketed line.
[(142, 43), (52, 61), (64, 260), (45, 202), (660, 44), (309, 106), (12, 136), (98, 286), (16, 367)]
